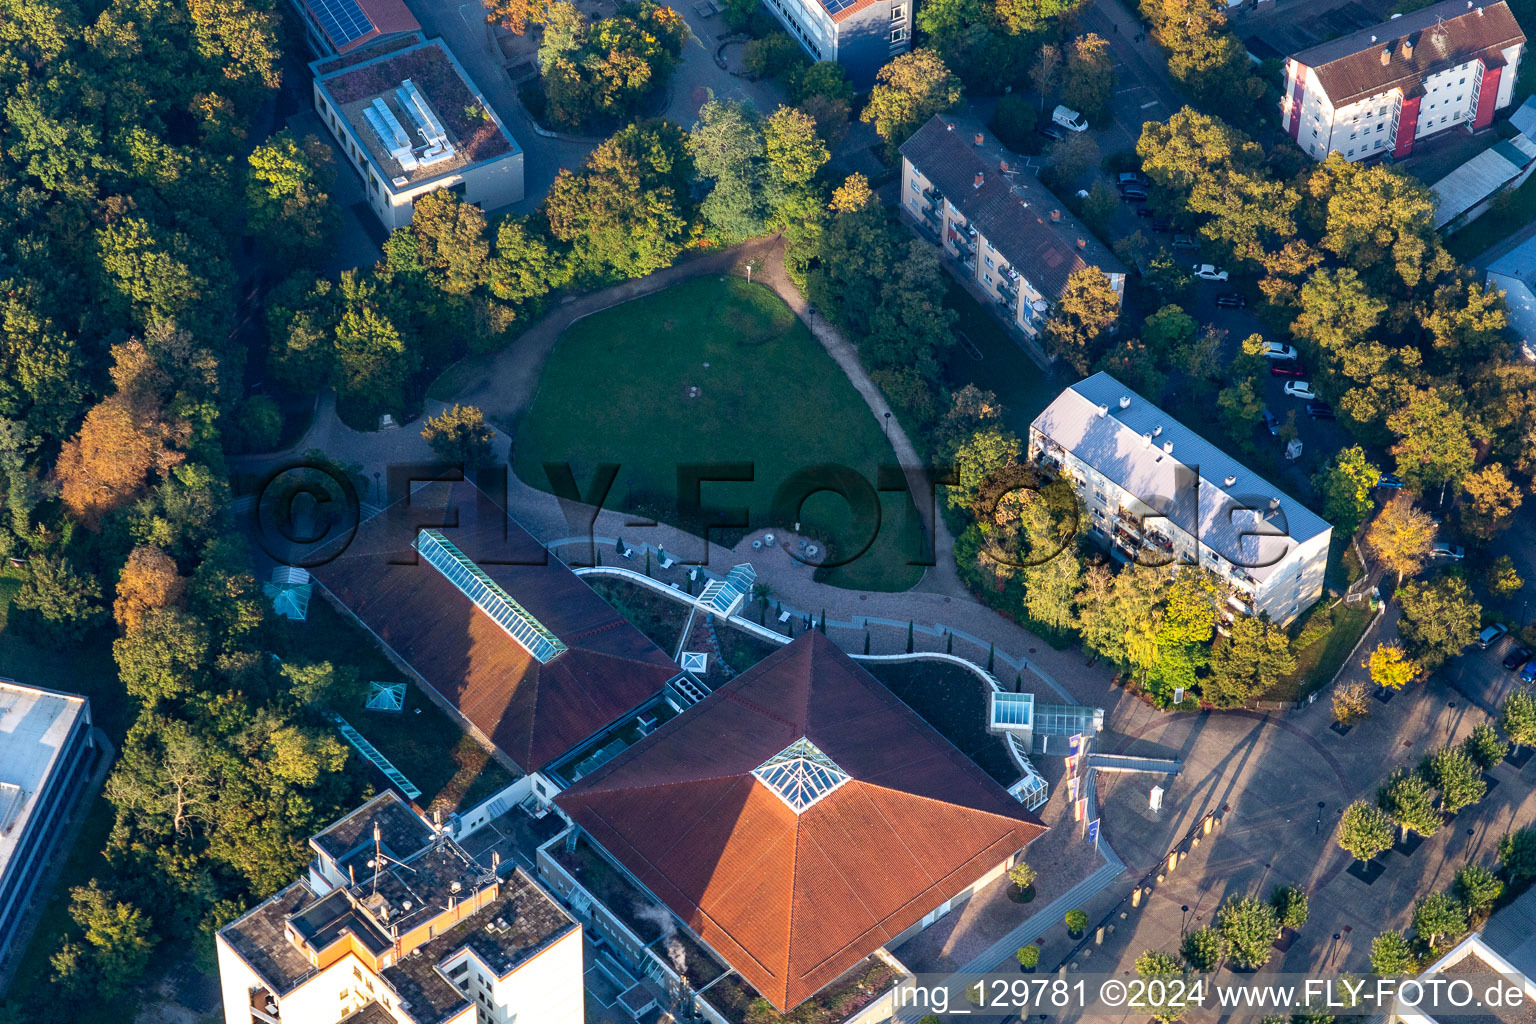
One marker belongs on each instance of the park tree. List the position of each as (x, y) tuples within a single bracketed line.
[(1346, 484), (1085, 313), (1492, 499), (1401, 536), (1205, 59), (1478, 889), (911, 327), (514, 15), (1290, 905), (164, 657), (452, 242), (1249, 926), (1466, 322), (1051, 589), (374, 359), (1406, 799), (1364, 831), (1045, 71), (908, 91), (1351, 703), (1248, 662), (796, 151), (1337, 310), (1456, 776), (1434, 446), (287, 205), (1203, 949), (1439, 619), (1517, 854), (1155, 999), (1484, 746), (110, 461), (149, 580), (1070, 159), (459, 436), (626, 214), (729, 150), (1378, 219), (1502, 578), (1517, 717), (118, 940), (1391, 954), (58, 598), (985, 453), (607, 68), (1439, 916), (1088, 79), (1389, 667), (1190, 146), (522, 267)]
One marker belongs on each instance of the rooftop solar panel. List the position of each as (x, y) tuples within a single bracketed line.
[(833, 6), (342, 21)]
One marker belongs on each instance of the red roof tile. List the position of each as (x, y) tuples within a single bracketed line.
[(793, 901), (532, 712)]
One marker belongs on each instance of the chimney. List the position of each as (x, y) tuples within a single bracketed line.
[(948, 127), (1002, 165), (1125, 401), (1230, 480), (1146, 439), (1157, 431), (980, 138), (980, 178), (1386, 56), (1479, 12), (1082, 243), (1167, 447), (1102, 410), (1055, 216), (1373, 39), (1407, 49)]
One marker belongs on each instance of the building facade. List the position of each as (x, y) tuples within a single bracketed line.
[(395, 923), (1001, 226), (1156, 492), (1377, 91), (410, 121), (861, 35), (47, 753)]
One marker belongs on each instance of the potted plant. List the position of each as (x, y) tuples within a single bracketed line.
[(1077, 923), (1028, 957), (1021, 883)]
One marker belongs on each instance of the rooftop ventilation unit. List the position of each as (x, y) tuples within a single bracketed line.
[(1125, 401), (1157, 431), (1167, 447), (438, 148), (1230, 480), (393, 137)]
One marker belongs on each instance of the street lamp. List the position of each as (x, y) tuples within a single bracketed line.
[(1183, 924), (1319, 827), (887, 424)]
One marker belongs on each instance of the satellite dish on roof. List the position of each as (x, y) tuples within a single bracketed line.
[(1039, 306)]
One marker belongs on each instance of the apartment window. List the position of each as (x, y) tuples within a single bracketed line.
[(1350, 153), (1462, 82), (1378, 144), (898, 34), (989, 261), (1353, 134), (989, 278), (357, 974), (1458, 99), (898, 12)]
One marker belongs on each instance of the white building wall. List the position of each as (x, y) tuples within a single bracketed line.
[(809, 25), (1450, 99), (341, 989), (546, 989)]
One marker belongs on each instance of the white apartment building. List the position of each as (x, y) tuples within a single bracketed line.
[(1376, 91), (410, 121), (861, 35), (396, 924), (997, 221), (1155, 491), (47, 751)]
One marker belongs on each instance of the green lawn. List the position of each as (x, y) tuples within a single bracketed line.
[(1004, 368), (619, 388), (1318, 661), (452, 771)]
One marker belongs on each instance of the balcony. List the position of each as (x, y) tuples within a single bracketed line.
[(1124, 520), (264, 1008), (1008, 290), (932, 213), (1241, 602)]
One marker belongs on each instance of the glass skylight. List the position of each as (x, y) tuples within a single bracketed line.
[(444, 556), (800, 774)]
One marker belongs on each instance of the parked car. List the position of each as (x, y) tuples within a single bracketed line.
[(1208, 272), (1278, 369), (1528, 674), (1185, 242), (1276, 350), (1390, 481), (1050, 131), (1299, 389), (1441, 549), (1145, 211), (1133, 178), (1490, 635), (1272, 422), (1320, 411), (1232, 300), (1162, 226), (1518, 655), (1069, 119), (1133, 194)]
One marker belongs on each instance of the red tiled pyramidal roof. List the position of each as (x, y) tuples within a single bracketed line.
[(532, 711), (895, 821)]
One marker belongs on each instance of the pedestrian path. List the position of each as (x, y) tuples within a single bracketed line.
[(1049, 916)]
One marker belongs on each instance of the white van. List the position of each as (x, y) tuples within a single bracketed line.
[(1069, 119)]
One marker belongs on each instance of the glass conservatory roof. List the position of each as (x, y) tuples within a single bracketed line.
[(488, 596), (800, 774)]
